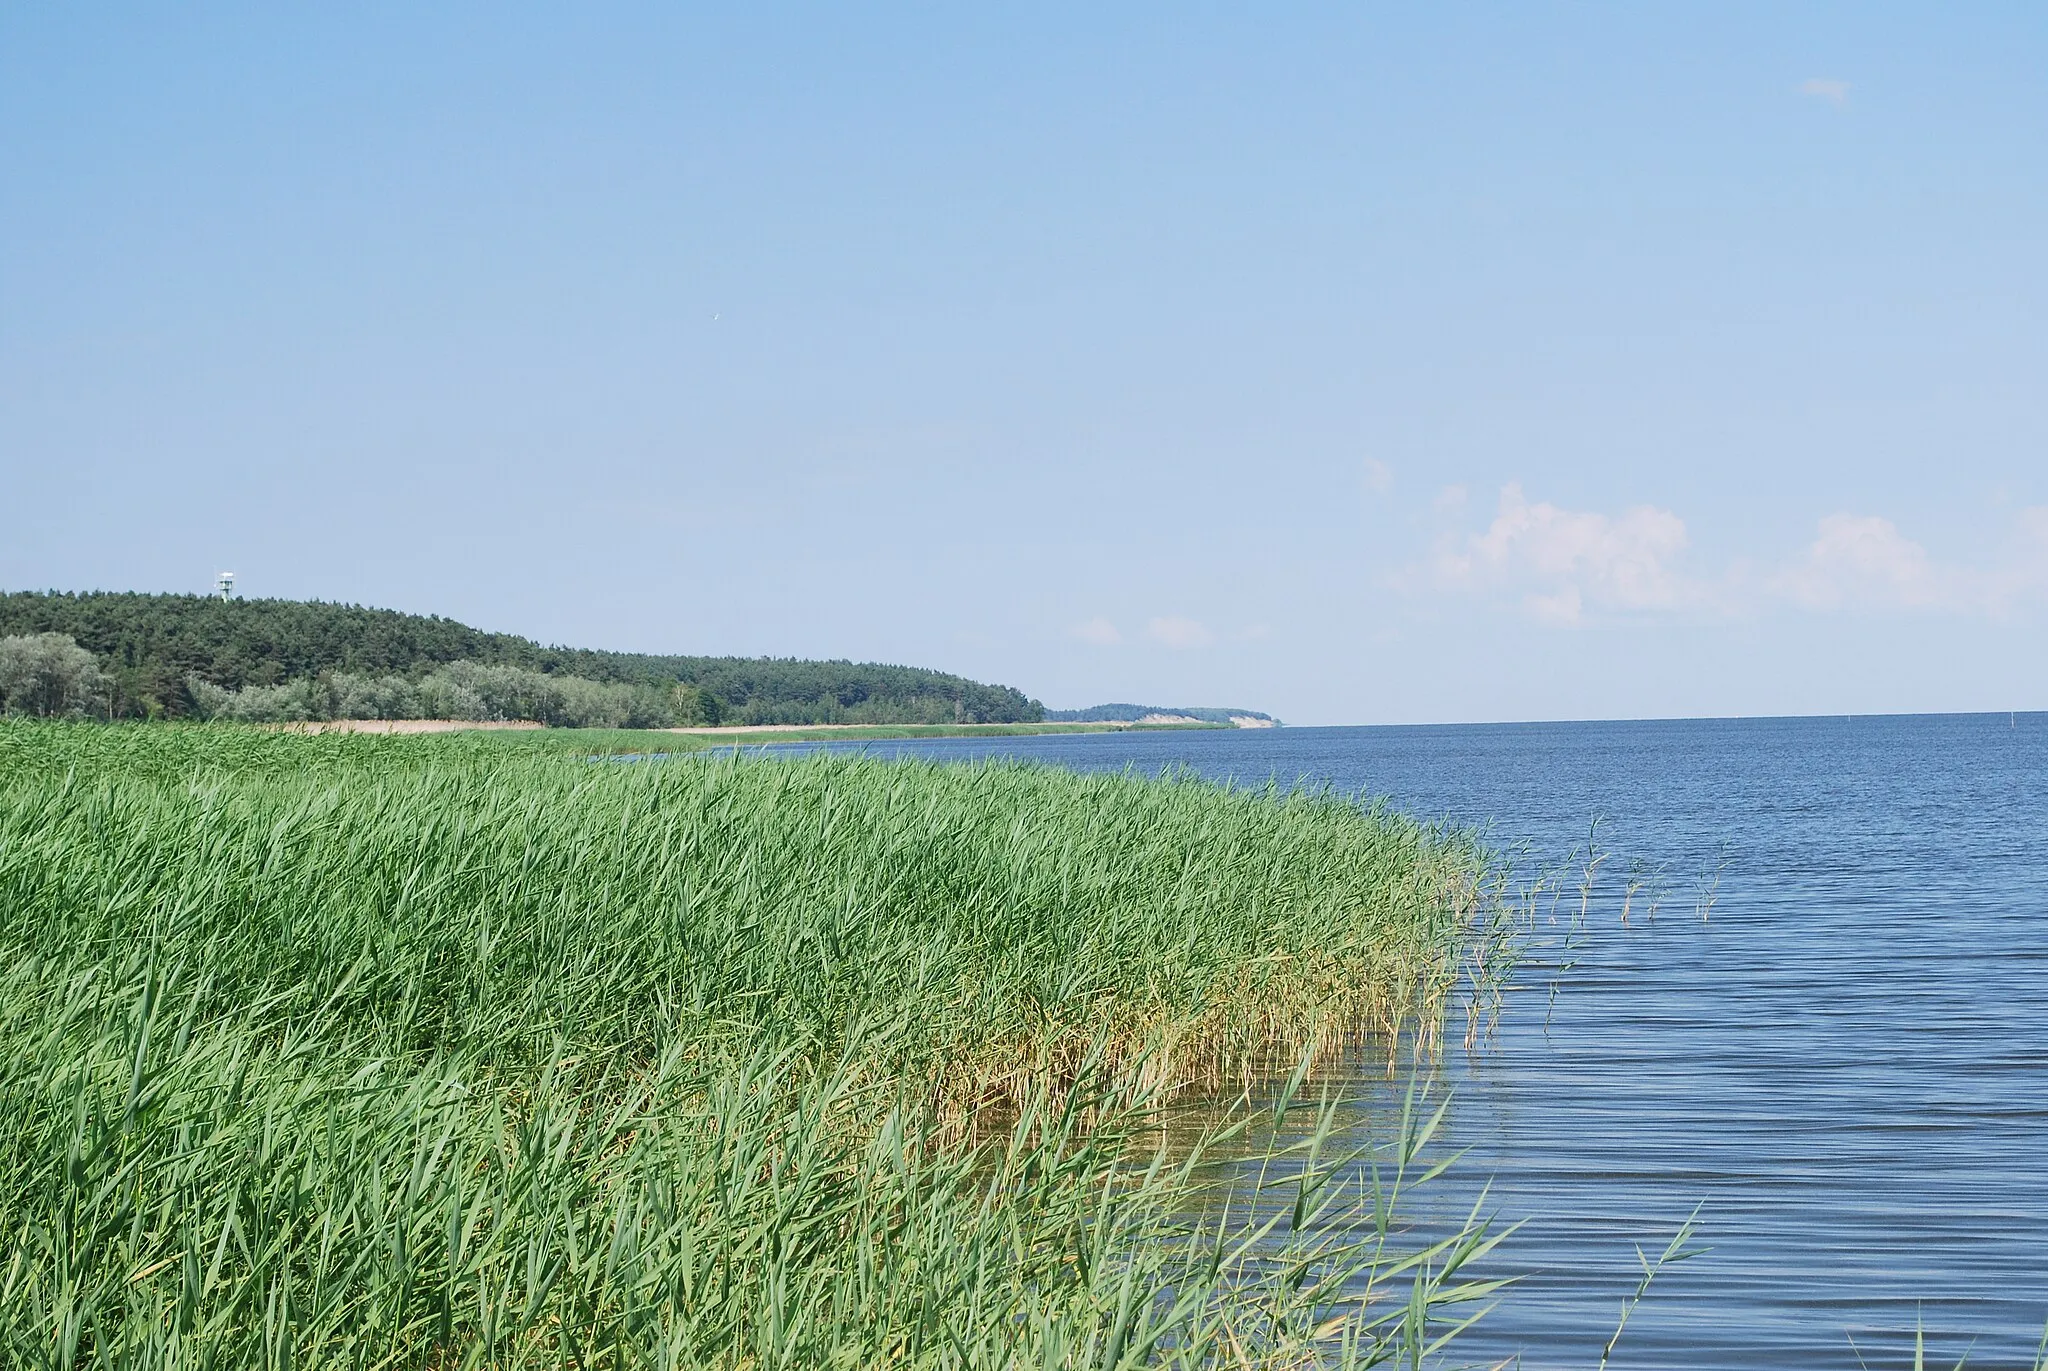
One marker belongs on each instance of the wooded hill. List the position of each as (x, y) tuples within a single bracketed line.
[(151, 646)]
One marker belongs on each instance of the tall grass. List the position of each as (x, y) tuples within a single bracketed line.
[(421, 1052)]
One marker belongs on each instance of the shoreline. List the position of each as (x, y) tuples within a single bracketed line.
[(396, 725), (922, 730), (767, 732)]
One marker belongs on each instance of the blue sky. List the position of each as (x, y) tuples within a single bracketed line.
[(1358, 364)]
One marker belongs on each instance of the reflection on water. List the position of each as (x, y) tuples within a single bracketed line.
[(1846, 1064)]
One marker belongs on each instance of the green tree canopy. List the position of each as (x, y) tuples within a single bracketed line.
[(48, 675), (150, 648)]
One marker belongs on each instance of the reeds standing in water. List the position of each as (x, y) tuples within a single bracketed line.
[(417, 1052)]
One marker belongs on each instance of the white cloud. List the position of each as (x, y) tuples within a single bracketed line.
[(1566, 606), (1176, 632), (2033, 550), (1571, 566), (1861, 561), (1379, 477), (1564, 561), (1098, 631), (1825, 88)]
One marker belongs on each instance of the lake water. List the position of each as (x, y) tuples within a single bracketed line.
[(1845, 1064)]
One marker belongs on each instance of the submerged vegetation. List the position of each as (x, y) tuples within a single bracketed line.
[(397, 1051)]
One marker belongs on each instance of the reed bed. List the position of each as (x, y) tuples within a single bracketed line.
[(434, 1052)]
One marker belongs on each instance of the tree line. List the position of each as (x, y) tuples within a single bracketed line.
[(459, 690), (172, 656)]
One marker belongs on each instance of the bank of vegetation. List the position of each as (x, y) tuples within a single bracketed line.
[(437, 1052), (460, 690), (149, 650)]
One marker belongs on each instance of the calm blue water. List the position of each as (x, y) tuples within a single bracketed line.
[(1845, 1064)]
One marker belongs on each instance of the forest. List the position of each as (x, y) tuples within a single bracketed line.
[(172, 656)]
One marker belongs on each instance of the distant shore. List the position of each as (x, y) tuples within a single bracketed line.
[(395, 725), (926, 730), (797, 732)]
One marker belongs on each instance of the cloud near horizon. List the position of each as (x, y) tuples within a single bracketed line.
[(1176, 632), (1565, 561), (1860, 561), (1825, 88), (1570, 567), (1167, 630), (1098, 631)]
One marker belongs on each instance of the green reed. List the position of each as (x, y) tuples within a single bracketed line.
[(439, 1052)]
